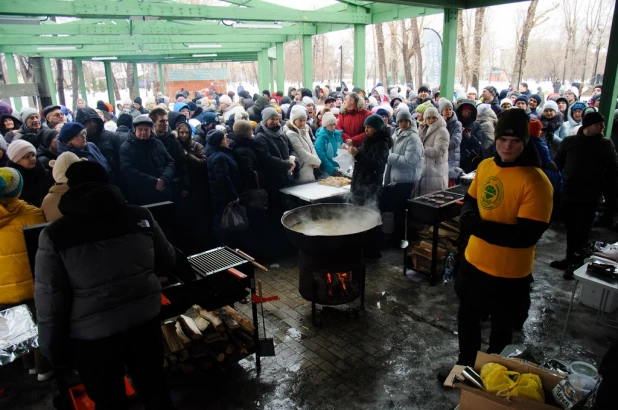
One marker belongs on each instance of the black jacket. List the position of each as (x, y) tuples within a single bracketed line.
[(255, 112), (45, 155), (588, 166), (245, 153), (274, 154), (369, 168), (123, 133), (35, 139), (471, 148), (495, 105), (37, 182), (106, 141), (143, 162), (223, 177), (96, 269), (177, 152)]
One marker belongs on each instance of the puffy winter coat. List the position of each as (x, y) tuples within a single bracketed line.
[(552, 132), (142, 163), (15, 277), (255, 111), (37, 182), (305, 151), (96, 269), (106, 141), (326, 145), (224, 178), (274, 150), (369, 168), (454, 129), (488, 123), (45, 154), (177, 152), (435, 167), (569, 126), (351, 122), (51, 201), (470, 147), (35, 138), (246, 154), (405, 161)]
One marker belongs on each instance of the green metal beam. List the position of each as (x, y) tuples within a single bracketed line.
[(131, 48), (271, 74), (50, 80), (449, 54), (135, 80), (280, 68), (149, 27), (610, 77), (178, 11), (381, 13), (12, 71), (359, 76), (109, 81), (262, 70), (161, 78), (80, 78), (138, 39), (307, 62)]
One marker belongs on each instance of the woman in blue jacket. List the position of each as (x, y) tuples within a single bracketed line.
[(327, 143), (72, 138)]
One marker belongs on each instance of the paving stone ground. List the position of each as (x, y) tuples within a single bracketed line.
[(383, 357)]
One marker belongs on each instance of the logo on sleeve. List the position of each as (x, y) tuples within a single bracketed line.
[(493, 193), (143, 223)]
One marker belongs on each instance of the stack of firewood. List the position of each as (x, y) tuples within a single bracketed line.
[(201, 338), (447, 243)]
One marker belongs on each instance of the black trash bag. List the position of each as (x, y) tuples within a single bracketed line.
[(234, 218)]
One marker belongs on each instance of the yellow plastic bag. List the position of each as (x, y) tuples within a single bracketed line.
[(498, 379), (530, 387)]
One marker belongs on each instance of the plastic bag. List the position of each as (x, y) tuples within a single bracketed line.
[(234, 218), (503, 382), (529, 386), (344, 159)]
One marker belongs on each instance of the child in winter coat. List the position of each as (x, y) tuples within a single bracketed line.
[(328, 141)]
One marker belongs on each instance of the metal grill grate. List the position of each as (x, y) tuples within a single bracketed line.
[(215, 260)]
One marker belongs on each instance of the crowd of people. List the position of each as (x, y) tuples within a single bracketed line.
[(209, 153)]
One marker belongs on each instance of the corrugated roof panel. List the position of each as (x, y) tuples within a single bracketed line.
[(198, 74)]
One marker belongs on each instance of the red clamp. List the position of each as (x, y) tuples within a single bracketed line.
[(165, 301), (256, 299)]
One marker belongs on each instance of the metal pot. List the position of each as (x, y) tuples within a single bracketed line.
[(319, 244)]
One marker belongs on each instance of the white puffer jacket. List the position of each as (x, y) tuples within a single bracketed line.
[(435, 166)]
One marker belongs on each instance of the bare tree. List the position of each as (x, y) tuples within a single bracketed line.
[(416, 47), (570, 8), (604, 24), (130, 82), (75, 84), (463, 55), (60, 81), (392, 26), (406, 52), (479, 29), (381, 54)]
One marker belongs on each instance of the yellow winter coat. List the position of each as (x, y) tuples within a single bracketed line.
[(16, 283)]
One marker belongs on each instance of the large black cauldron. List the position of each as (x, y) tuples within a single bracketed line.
[(364, 219)]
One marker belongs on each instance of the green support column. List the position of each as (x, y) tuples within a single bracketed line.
[(135, 80), (262, 70), (161, 79), (280, 69), (50, 80), (110, 82), (307, 62), (80, 79), (359, 76), (271, 75), (610, 83), (10, 64), (449, 54)]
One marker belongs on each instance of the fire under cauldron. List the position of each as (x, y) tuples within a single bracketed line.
[(330, 239)]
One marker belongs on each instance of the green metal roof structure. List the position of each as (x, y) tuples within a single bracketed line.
[(160, 31)]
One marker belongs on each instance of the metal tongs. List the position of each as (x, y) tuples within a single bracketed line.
[(471, 377)]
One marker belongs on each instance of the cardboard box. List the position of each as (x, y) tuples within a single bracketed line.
[(476, 399)]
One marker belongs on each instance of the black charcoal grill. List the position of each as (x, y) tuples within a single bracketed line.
[(433, 209)]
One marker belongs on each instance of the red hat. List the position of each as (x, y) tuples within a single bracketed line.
[(535, 127)]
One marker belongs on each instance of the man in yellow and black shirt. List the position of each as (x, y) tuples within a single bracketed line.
[(505, 212)]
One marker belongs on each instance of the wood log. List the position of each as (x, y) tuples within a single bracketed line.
[(204, 362), (187, 367), (189, 327), (240, 318), (186, 342), (215, 337), (240, 347), (228, 348), (200, 322), (244, 338), (165, 364), (211, 317), (217, 356), (442, 253), (227, 319), (183, 355), (172, 338)]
